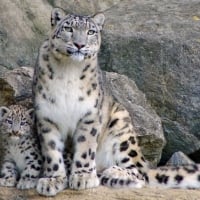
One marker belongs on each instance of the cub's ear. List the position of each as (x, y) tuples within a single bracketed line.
[(99, 20), (56, 15), (31, 112), (3, 111)]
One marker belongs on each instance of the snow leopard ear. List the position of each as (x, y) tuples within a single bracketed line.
[(30, 112), (3, 111), (56, 15), (99, 20)]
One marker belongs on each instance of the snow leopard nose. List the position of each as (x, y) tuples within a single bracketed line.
[(15, 132), (79, 46)]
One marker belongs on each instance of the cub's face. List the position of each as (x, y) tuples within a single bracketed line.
[(15, 121), (77, 37)]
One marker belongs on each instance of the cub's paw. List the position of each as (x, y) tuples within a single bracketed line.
[(27, 183), (83, 181), (51, 186), (8, 182)]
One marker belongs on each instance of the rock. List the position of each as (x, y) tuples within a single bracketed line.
[(7, 93), (84, 7), (156, 43), (23, 26), (145, 120), (178, 159), (16, 86)]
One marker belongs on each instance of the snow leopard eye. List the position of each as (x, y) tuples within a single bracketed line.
[(68, 29), (91, 32), (9, 121), (22, 123)]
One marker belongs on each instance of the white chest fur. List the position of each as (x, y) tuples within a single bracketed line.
[(66, 89), (16, 154)]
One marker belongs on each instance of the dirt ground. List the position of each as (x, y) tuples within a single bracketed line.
[(103, 193)]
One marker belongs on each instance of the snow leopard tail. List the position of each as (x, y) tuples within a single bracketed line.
[(186, 176)]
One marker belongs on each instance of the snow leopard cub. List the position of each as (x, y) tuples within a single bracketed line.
[(22, 161)]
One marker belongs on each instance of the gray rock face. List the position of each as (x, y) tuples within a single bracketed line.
[(23, 26), (16, 86), (156, 43), (84, 7)]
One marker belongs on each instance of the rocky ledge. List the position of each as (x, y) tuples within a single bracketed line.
[(102, 193)]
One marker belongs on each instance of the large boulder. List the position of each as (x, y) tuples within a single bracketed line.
[(157, 44)]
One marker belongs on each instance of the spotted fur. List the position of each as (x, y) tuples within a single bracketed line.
[(22, 159), (75, 114)]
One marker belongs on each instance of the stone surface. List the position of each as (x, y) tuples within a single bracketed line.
[(102, 193), (157, 44), (178, 159), (23, 26), (16, 86), (7, 93), (84, 7)]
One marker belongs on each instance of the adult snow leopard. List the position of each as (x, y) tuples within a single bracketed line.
[(75, 114)]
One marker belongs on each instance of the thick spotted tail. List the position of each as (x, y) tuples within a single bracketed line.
[(187, 176), (117, 177)]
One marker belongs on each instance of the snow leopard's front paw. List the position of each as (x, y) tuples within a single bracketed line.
[(8, 181), (27, 183), (51, 186), (83, 181)]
